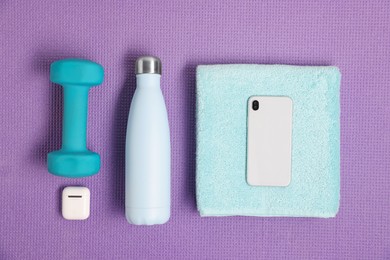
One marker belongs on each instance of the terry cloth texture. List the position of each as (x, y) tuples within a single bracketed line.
[(222, 96)]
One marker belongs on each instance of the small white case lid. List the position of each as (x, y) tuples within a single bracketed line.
[(75, 203)]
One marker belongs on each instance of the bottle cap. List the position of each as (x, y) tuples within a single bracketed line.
[(148, 65)]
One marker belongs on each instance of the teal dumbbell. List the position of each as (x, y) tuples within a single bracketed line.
[(76, 76)]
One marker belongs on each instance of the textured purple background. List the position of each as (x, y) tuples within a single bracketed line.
[(353, 35)]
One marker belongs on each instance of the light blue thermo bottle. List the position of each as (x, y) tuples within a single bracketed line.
[(148, 153)]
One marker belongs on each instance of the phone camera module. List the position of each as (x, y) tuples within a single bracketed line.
[(255, 105)]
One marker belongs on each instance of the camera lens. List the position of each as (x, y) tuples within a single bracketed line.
[(255, 105)]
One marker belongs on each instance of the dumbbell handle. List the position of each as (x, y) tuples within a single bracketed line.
[(75, 116)]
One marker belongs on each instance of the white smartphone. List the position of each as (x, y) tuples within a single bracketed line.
[(269, 140)]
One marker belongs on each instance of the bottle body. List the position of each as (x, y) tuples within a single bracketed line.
[(148, 156)]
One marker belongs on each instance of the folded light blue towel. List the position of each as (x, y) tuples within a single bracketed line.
[(222, 95)]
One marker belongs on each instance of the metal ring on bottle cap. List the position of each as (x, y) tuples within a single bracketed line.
[(148, 64)]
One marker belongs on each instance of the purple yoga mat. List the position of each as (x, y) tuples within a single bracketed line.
[(353, 35)]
